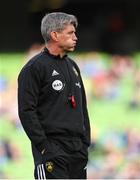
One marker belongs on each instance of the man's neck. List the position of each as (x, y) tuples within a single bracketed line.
[(54, 50)]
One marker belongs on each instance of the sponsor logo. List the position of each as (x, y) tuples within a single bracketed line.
[(78, 84), (57, 85), (55, 73)]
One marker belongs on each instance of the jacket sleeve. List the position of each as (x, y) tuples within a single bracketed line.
[(87, 136), (28, 92)]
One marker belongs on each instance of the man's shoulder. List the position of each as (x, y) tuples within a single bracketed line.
[(33, 64), (36, 61), (71, 60), (73, 63)]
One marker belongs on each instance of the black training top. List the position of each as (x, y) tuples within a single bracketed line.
[(48, 87)]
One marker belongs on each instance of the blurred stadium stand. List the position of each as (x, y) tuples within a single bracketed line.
[(104, 25)]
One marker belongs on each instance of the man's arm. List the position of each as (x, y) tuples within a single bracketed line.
[(87, 136), (28, 93)]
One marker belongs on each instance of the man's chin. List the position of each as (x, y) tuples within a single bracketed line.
[(71, 49)]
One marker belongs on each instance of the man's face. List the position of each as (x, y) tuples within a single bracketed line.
[(67, 38)]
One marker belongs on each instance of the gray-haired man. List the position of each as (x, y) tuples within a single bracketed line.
[(52, 108)]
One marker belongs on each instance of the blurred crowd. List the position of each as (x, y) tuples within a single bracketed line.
[(114, 154), (103, 77)]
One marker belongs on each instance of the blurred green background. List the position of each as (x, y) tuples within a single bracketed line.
[(113, 104)]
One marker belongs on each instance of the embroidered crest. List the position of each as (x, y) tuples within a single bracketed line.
[(49, 166)]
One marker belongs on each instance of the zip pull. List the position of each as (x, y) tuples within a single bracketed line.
[(72, 101)]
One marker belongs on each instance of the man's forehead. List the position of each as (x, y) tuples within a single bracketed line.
[(69, 27)]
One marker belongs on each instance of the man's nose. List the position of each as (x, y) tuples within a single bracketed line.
[(75, 37)]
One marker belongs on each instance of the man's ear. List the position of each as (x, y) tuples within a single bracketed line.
[(54, 36)]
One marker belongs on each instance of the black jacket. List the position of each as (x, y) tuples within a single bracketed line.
[(45, 86)]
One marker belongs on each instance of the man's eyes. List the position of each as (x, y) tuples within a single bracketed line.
[(71, 33)]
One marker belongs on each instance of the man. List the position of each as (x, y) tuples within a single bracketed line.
[(52, 103)]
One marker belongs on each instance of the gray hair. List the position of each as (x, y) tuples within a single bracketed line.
[(56, 22)]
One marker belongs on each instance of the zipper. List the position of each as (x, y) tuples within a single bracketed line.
[(67, 80), (71, 97)]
